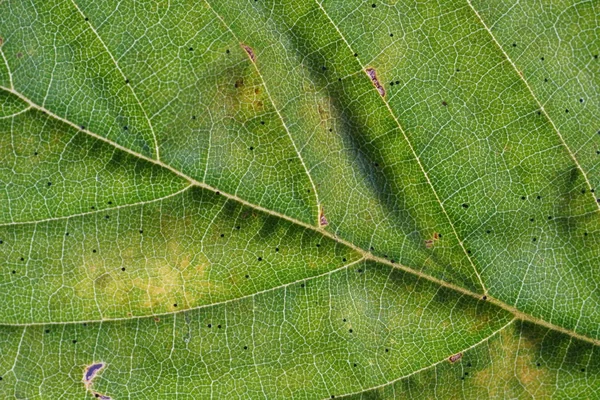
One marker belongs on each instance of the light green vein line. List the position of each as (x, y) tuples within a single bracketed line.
[(253, 62), (540, 105), (366, 255), (156, 149), (363, 67)]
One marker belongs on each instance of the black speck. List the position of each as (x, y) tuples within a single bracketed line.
[(217, 193), (219, 326), (47, 330), (534, 239), (350, 330), (444, 103), (391, 83), (465, 205), (93, 251), (107, 216), (514, 45), (262, 122), (397, 82), (542, 58), (484, 298), (193, 117), (522, 197), (123, 269), (531, 219), (373, 5), (538, 364), (209, 325), (67, 234), (87, 19), (227, 51), (581, 100), (276, 248), (175, 305), (391, 35), (343, 259), (302, 285), (344, 320), (468, 251), (324, 68), (14, 272), (251, 148), (387, 350), (74, 341), (549, 216), (539, 197), (259, 258), (245, 347), (318, 244), (222, 235), (545, 79), (82, 127), (355, 54), (191, 49), (110, 202), (127, 81), (141, 231), (359, 270), (49, 183), (355, 365), (22, 259), (567, 110), (125, 127), (582, 369)]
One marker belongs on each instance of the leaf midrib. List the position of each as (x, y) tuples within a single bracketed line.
[(366, 255)]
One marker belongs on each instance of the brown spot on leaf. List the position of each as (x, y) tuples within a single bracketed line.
[(430, 242), (373, 75), (322, 219), (454, 358), (239, 83), (19, 55), (249, 51)]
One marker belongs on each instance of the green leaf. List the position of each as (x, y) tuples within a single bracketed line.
[(299, 199)]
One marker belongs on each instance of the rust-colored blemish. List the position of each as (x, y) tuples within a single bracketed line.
[(430, 242), (373, 75), (249, 51), (322, 219), (454, 358)]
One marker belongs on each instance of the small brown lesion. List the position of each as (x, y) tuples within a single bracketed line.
[(322, 219), (249, 51), (373, 75), (429, 243), (454, 358)]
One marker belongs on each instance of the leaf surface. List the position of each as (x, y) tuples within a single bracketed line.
[(299, 199)]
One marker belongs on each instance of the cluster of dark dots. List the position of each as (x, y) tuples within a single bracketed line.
[(392, 83), (465, 205)]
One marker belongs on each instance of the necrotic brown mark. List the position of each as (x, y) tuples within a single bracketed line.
[(373, 75), (322, 220), (454, 358), (249, 51), (91, 371)]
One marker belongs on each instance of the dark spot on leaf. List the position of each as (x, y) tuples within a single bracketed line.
[(454, 358), (209, 325), (373, 75), (123, 269), (249, 51), (465, 205), (444, 103), (74, 341), (484, 298), (91, 371)]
